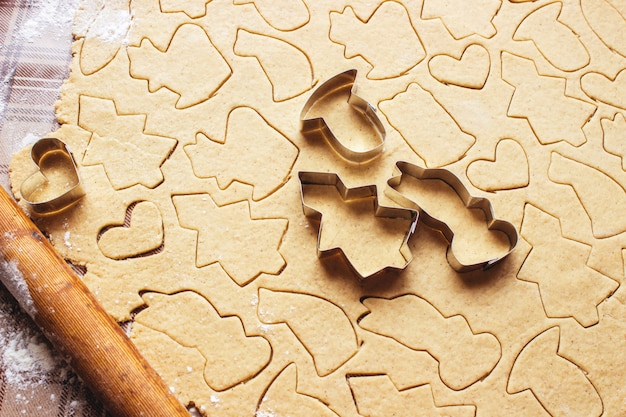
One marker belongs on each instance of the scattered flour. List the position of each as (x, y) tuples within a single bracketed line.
[(27, 358), (194, 412), (111, 26), (29, 139), (46, 14), (5, 86), (264, 327), (66, 239), (108, 22)]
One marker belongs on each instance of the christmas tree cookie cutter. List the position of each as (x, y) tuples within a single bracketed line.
[(317, 127), (72, 191), (367, 191), (403, 169)]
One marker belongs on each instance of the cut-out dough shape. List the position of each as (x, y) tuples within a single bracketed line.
[(247, 237), (427, 127), (463, 18), (288, 81), (350, 218), (556, 41), (362, 37), (470, 70), (285, 15), (506, 171), (581, 347), (376, 396), (607, 18), (148, 18), (606, 258), (567, 286), (536, 96), (282, 398), (476, 238), (315, 322), (232, 357), (614, 136), (558, 384), (406, 367), (464, 357), (594, 189), (604, 89), (105, 36), (129, 155), (180, 367), (192, 8), (264, 155), (196, 68), (143, 235)]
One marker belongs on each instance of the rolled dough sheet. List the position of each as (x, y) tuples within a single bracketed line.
[(184, 119)]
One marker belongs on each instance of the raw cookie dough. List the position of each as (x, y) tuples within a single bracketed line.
[(184, 119)]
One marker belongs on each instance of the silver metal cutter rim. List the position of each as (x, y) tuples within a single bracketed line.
[(317, 127), (405, 168), (38, 152), (367, 191)]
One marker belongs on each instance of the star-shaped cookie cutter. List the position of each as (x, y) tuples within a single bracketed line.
[(368, 191), (40, 150), (403, 169), (318, 128)]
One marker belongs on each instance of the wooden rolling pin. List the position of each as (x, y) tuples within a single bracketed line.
[(71, 318)]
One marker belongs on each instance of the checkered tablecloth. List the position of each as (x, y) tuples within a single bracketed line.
[(35, 39)]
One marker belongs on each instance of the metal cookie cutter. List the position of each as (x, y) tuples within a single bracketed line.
[(332, 179), (407, 169), (318, 128), (41, 150)]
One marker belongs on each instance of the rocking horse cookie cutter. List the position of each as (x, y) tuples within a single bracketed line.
[(405, 169)]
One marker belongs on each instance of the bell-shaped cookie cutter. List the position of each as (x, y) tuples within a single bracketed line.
[(367, 191), (318, 128), (403, 169), (40, 150)]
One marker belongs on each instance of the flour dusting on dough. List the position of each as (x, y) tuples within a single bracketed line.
[(115, 29)]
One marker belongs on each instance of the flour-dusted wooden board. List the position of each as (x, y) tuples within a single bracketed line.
[(184, 118)]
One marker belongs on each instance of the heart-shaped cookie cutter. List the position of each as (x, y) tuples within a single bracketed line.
[(403, 169), (367, 191), (40, 150), (318, 128)]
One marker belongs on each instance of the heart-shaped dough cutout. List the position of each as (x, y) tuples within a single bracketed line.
[(605, 89), (56, 183), (508, 169), (470, 70), (142, 234)]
